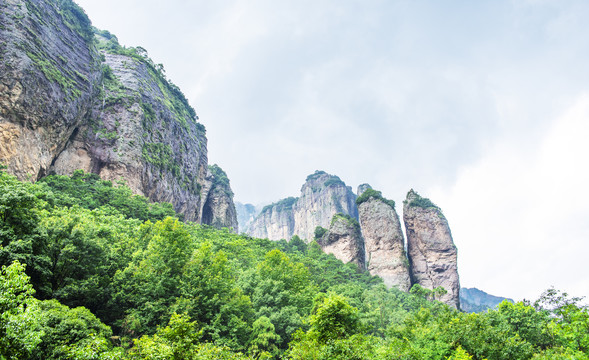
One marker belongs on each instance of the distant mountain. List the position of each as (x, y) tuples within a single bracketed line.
[(474, 300), (246, 213)]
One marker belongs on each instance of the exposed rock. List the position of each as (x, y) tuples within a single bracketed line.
[(344, 240), (72, 99), (322, 196), (431, 250), (49, 71), (383, 239), (362, 188), (275, 221), (219, 210), (475, 300), (246, 213)]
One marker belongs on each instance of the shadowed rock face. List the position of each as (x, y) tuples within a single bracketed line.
[(383, 243), (344, 240), (49, 75), (322, 196), (431, 250), (219, 209), (65, 105)]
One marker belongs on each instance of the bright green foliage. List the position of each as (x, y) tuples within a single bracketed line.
[(319, 232), (333, 319), (235, 294), (90, 192), (373, 194), (220, 179), (17, 317)]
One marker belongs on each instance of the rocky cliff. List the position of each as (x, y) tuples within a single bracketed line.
[(344, 240), (275, 221), (49, 75), (219, 209), (431, 250), (383, 239), (72, 98), (322, 196), (246, 213)]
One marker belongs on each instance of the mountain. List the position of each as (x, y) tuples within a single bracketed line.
[(71, 97), (365, 230), (474, 300), (322, 196), (431, 250), (246, 213)]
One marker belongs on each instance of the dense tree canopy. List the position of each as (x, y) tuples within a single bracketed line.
[(91, 271)]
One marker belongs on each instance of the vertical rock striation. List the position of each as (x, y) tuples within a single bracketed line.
[(431, 250), (344, 240), (219, 209), (49, 74), (383, 239), (71, 97), (322, 196), (275, 221)]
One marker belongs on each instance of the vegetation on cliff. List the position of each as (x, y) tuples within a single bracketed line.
[(373, 194), (86, 276)]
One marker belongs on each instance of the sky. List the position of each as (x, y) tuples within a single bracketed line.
[(482, 106)]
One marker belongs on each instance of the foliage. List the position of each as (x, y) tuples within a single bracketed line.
[(373, 194), (319, 232), (284, 204), (128, 284), (220, 179)]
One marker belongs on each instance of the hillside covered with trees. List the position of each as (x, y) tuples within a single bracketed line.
[(90, 271)]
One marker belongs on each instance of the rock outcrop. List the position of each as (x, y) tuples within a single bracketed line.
[(275, 221), (344, 240), (72, 99), (219, 209), (322, 196), (383, 239), (246, 213), (49, 75), (431, 250)]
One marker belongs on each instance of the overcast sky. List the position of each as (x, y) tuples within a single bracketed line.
[(482, 106)]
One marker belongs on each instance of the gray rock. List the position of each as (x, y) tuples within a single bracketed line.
[(431, 250), (344, 240), (384, 243)]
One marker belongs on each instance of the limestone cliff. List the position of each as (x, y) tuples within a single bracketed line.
[(275, 221), (383, 239), (72, 98), (49, 74), (246, 213), (219, 209), (431, 250), (322, 196), (344, 240)]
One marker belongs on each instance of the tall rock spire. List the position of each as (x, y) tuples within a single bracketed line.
[(383, 238), (431, 250)]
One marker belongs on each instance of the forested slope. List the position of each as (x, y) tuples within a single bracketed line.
[(90, 271)]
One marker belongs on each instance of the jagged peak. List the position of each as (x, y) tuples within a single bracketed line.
[(362, 188), (321, 179), (416, 200), (373, 194)]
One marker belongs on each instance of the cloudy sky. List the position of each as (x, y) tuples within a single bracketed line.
[(482, 106)]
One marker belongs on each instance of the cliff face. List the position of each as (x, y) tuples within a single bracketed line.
[(383, 240), (344, 240), (246, 213), (71, 99), (474, 300), (49, 72), (219, 209), (322, 196), (275, 221), (431, 250)]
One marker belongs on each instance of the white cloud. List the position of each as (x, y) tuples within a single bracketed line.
[(520, 221)]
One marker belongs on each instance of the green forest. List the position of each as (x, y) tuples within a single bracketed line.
[(91, 271)]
